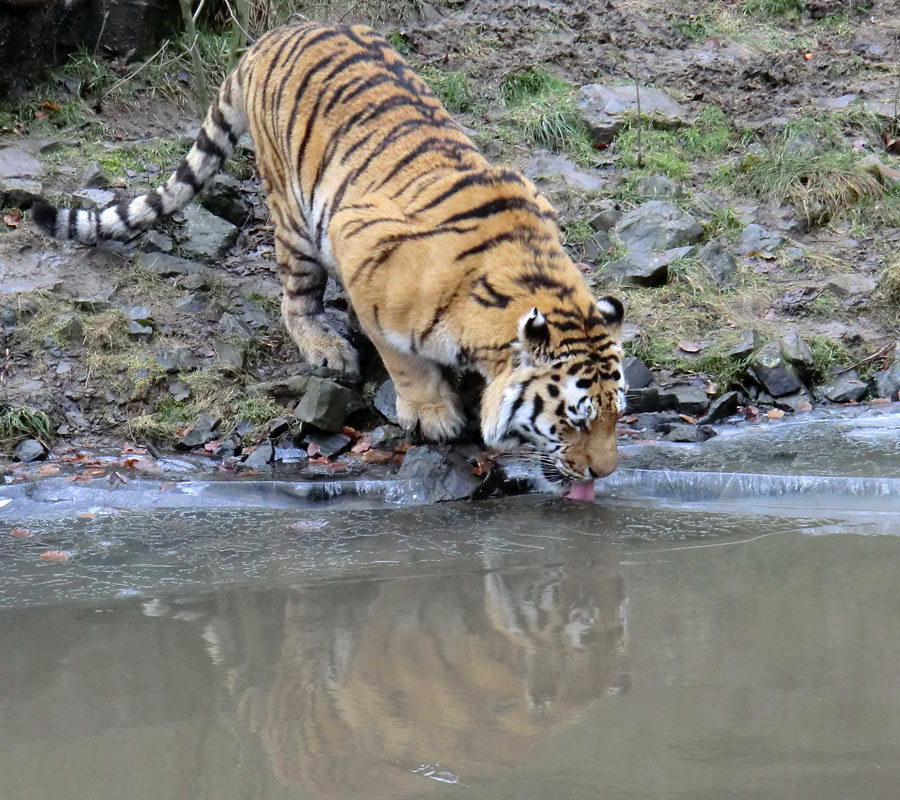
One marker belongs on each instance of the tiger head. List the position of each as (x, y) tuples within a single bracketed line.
[(562, 391)]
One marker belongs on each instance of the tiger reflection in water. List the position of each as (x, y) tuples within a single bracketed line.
[(353, 687)]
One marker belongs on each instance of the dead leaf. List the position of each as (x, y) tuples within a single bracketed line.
[(808, 56), (377, 456), (750, 412), (630, 419), (13, 217), (313, 450), (402, 447), (214, 446), (351, 432), (87, 515), (133, 449), (95, 472), (804, 405), (775, 413), (50, 106), (320, 460), (56, 556), (880, 401), (144, 465), (688, 419), (689, 347), (337, 465), (48, 470), (361, 446), (20, 533)]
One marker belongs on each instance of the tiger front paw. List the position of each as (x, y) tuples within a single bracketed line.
[(439, 421)]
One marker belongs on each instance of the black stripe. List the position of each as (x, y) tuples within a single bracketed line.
[(301, 90), (426, 147), (185, 174), (533, 281), (489, 244), (495, 299), (339, 92), (122, 211), (155, 201), (472, 179), (73, 228), (493, 207), (206, 145), (517, 403), (537, 407), (223, 124)]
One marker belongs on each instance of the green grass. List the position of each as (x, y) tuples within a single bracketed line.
[(694, 27), (577, 231), (24, 422), (452, 88), (765, 9), (164, 153), (827, 354)]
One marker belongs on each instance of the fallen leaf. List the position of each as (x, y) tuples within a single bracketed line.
[(56, 556), (337, 465), (313, 450), (750, 412), (133, 449), (116, 478), (20, 533), (50, 106), (142, 465), (214, 446), (351, 432), (689, 347), (804, 405), (775, 413), (48, 470), (361, 446), (688, 419), (377, 456), (13, 217), (808, 56), (630, 419), (402, 447), (87, 515), (320, 460), (712, 388), (880, 401), (95, 472)]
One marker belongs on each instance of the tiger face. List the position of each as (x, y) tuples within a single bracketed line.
[(562, 392)]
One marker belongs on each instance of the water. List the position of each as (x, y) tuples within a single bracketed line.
[(689, 635)]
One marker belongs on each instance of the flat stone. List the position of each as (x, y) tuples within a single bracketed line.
[(254, 316), (597, 247), (69, 327), (234, 326), (721, 408), (179, 390), (290, 455), (718, 262), (639, 268), (167, 266), (605, 108), (689, 399), (138, 314), (637, 375), (385, 434), (770, 369), (325, 404), (802, 144), (288, 388), (93, 177), (29, 450), (138, 329), (260, 457), (330, 444), (94, 198), (659, 186), (795, 401), (706, 204), (655, 420), (604, 217), (682, 432), (157, 242), (205, 234), (386, 401), (657, 225), (844, 387), (16, 163), (750, 342), (756, 239), (179, 359), (851, 285), (229, 357), (18, 192), (545, 164), (189, 304), (438, 474), (202, 431), (38, 145)]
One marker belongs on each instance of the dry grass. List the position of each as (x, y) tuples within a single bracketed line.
[(889, 283)]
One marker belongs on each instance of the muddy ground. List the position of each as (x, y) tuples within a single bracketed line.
[(114, 347)]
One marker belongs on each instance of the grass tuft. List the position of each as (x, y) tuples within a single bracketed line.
[(889, 282), (21, 423), (452, 88)]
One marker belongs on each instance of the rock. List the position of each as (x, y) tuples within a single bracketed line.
[(176, 360), (93, 177), (637, 375), (325, 404), (797, 353), (138, 314), (771, 371), (77, 421), (545, 164), (802, 144), (94, 198), (29, 450), (69, 327), (290, 455), (385, 434), (605, 108), (887, 382), (280, 388), (682, 432), (229, 357), (386, 401), (179, 390), (755, 239), (253, 315), (655, 420), (223, 197), (656, 186), (604, 217), (707, 204), (750, 342), (688, 399), (844, 387), (596, 248), (205, 234), (438, 474), (851, 285), (795, 401), (189, 304), (657, 225), (260, 456), (195, 282), (167, 266), (19, 192), (721, 408), (641, 400), (38, 145), (233, 326), (16, 163), (718, 262), (330, 444), (200, 433), (156, 242), (884, 172), (639, 268)]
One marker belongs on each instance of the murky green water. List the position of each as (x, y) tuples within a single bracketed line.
[(525, 648)]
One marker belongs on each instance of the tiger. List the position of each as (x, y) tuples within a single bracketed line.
[(449, 263)]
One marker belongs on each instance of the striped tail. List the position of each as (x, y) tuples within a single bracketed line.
[(225, 121)]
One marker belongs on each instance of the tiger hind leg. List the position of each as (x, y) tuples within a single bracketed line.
[(424, 397), (303, 280)]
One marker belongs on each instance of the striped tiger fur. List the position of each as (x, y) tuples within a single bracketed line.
[(447, 260)]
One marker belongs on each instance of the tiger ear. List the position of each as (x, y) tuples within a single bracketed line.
[(534, 337), (612, 312)]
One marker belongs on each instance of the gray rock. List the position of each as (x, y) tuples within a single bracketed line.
[(706, 204), (179, 359), (223, 197), (195, 282), (641, 400), (254, 316), (438, 473), (156, 242), (756, 239), (229, 357), (771, 371), (233, 326), (797, 353), (206, 235), (77, 421), (655, 420), (94, 198), (682, 432), (8, 316), (750, 342), (605, 108), (637, 376), (29, 450), (795, 401), (138, 314), (38, 145), (201, 432), (69, 327), (597, 247), (721, 408), (851, 285), (325, 404), (718, 262), (290, 455), (386, 401), (887, 382), (385, 434), (281, 388), (167, 266), (138, 329), (844, 387), (549, 165), (689, 399), (639, 268), (657, 225), (93, 177), (604, 217), (179, 390), (659, 186), (802, 144), (19, 191), (330, 444), (260, 457), (16, 163), (189, 304)]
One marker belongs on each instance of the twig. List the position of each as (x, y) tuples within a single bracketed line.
[(240, 34), (102, 29), (131, 75), (879, 354), (640, 122), (200, 84)]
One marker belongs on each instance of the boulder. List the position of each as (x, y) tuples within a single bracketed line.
[(721, 408), (16, 163), (657, 225), (797, 353), (772, 371), (682, 432), (93, 177), (94, 198), (655, 420), (205, 234), (326, 404), (604, 216), (795, 401), (260, 456), (329, 444), (638, 401), (29, 450), (223, 197), (604, 108), (289, 388), (201, 432), (887, 382), (637, 375), (438, 474), (640, 268), (19, 192), (844, 387), (229, 356), (749, 343), (167, 266), (756, 239), (851, 285), (687, 399), (659, 186), (718, 262), (189, 304)]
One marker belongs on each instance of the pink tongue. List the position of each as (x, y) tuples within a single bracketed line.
[(581, 491)]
